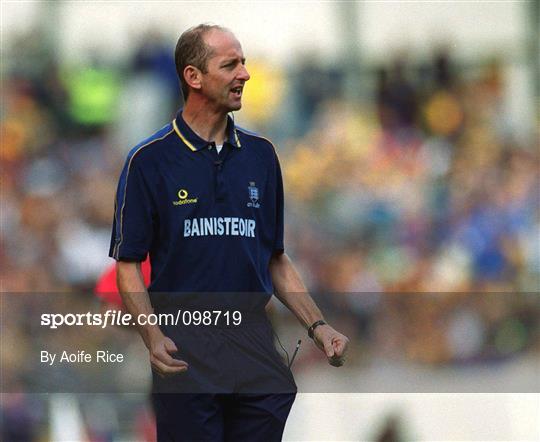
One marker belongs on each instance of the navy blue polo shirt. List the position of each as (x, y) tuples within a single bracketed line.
[(209, 221)]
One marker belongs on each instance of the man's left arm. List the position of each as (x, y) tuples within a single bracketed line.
[(292, 292)]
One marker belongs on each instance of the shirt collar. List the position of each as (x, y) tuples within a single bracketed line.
[(194, 141)]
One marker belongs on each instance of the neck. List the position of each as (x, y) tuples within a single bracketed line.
[(207, 123)]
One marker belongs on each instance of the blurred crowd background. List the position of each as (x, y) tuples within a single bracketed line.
[(412, 207)]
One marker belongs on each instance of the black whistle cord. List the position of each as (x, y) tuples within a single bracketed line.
[(289, 361), (295, 352)]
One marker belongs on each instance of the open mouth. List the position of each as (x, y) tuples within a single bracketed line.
[(237, 91)]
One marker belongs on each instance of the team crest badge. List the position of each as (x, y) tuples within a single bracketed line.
[(253, 195)]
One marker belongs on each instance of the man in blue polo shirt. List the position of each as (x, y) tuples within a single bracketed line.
[(205, 199)]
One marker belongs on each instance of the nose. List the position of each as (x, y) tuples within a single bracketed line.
[(243, 74)]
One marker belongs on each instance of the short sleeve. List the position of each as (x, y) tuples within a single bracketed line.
[(132, 230), (278, 241)]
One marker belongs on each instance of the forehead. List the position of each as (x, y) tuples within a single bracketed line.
[(223, 43)]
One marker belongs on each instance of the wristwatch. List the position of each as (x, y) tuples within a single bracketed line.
[(314, 326)]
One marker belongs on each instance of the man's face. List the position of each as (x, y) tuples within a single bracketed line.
[(226, 75)]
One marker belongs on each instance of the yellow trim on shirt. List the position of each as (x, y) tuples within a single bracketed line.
[(186, 142), (236, 138), (117, 255)]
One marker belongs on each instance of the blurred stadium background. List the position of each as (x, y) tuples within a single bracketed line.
[(408, 134)]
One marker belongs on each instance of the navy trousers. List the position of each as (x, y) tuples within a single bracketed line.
[(237, 387), (221, 417)]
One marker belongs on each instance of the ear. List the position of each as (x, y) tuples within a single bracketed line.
[(192, 76)]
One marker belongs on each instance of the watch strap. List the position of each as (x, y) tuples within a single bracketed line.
[(314, 326)]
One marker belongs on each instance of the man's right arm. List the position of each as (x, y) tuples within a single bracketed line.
[(135, 297)]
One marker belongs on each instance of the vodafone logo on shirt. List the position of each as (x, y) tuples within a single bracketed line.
[(183, 198)]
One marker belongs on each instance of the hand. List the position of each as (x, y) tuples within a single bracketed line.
[(333, 343), (160, 349)]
